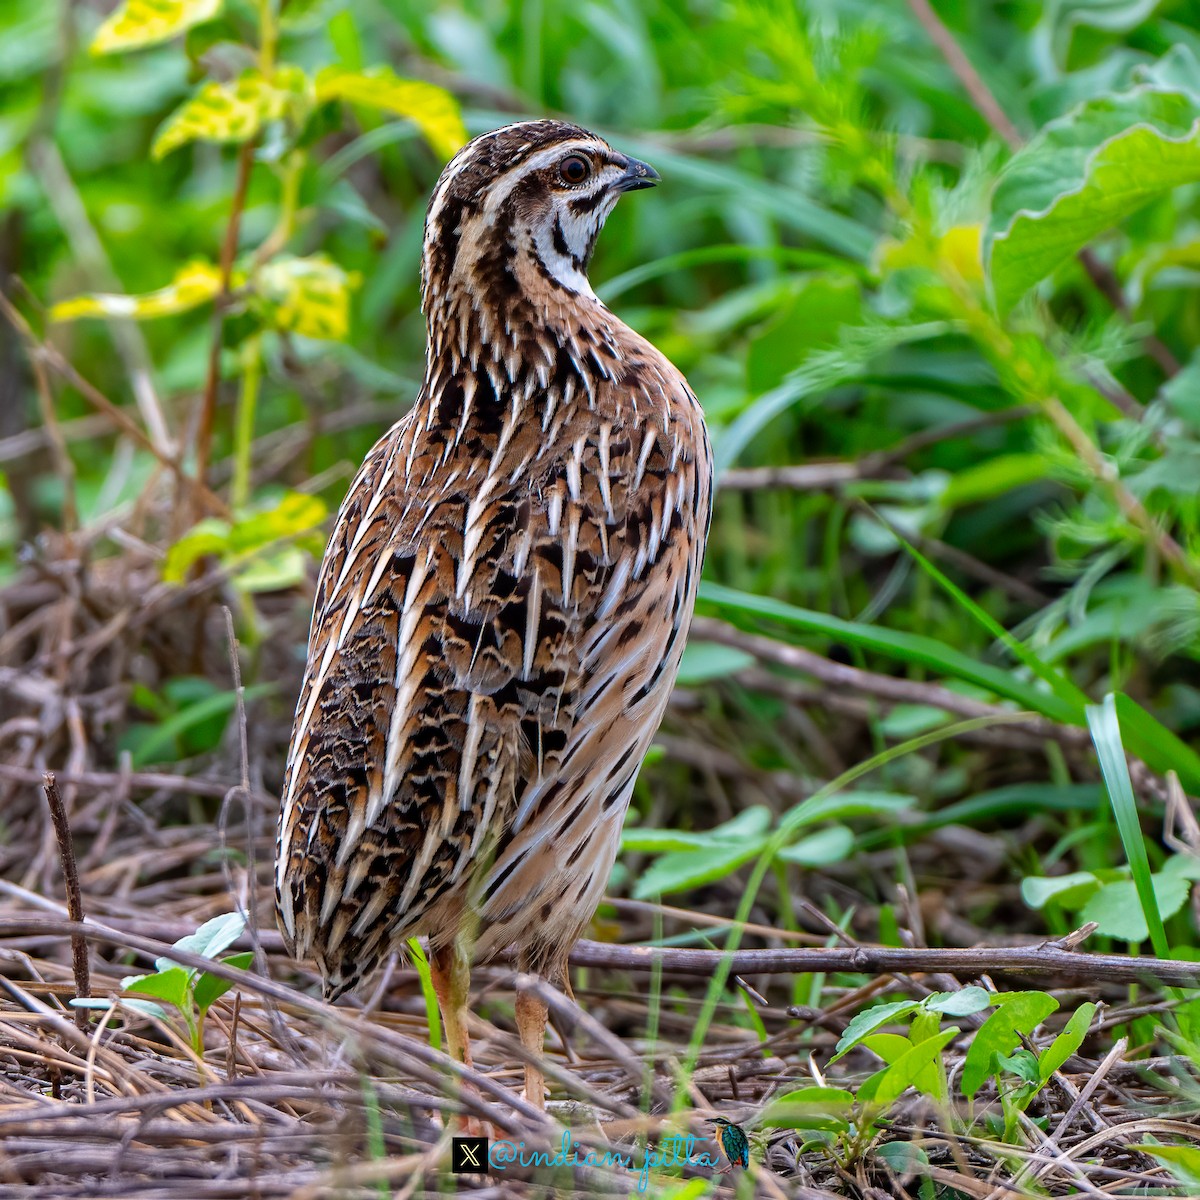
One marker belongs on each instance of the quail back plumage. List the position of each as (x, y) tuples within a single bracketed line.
[(505, 597)]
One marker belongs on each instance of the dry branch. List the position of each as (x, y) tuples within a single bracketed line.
[(66, 853), (1049, 960)]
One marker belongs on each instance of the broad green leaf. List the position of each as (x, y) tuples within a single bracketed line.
[(215, 935), (831, 845), (171, 985), (210, 988), (146, 22), (1071, 891), (694, 868), (963, 1003), (902, 1157), (193, 285), (809, 1108), (1118, 910), (1016, 1013), (703, 661), (295, 516), (1183, 1161), (1067, 1042), (308, 296), (1083, 174), (868, 1021), (432, 109), (916, 1067), (235, 112), (1020, 1063)]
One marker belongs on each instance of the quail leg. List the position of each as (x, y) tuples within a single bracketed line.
[(450, 973), (531, 1026)]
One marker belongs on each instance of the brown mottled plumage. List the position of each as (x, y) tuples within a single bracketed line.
[(504, 600)]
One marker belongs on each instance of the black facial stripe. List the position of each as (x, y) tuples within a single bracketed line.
[(586, 204), (560, 241)]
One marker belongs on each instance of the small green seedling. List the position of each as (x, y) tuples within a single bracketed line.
[(189, 989), (844, 1124)]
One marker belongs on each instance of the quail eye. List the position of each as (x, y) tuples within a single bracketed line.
[(574, 169)]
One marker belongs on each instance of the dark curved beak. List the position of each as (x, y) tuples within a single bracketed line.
[(637, 175)]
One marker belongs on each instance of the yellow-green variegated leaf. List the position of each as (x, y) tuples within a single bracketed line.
[(146, 22), (431, 108), (309, 296), (193, 285), (235, 112)]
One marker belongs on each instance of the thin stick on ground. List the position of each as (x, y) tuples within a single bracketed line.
[(66, 853)]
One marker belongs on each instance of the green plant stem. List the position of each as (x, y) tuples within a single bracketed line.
[(243, 443)]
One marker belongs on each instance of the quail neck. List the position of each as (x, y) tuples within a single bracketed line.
[(508, 239)]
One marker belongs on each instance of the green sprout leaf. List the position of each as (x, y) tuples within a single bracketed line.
[(432, 109), (172, 985), (868, 1021), (810, 1108), (1017, 1013), (210, 988), (1067, 1042), (1182, 1161), (146, 22)]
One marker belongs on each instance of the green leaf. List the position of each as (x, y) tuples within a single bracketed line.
[(210, 988), (146, 22), (1071, 891), (868, 1021), (1084, 173), (1017, 1013), (994, 477), (814, 319), (172, 985), (215, 935), (1067, 1042), (1106, 735), (308, 296), (963, 1003), (1183, 1161), (809, 1108), (907, 647), (694, 868), (902, 1157), (145, 1007), (637, 840), (917, 1067), (842, 805), (195, 284), (1118, 910), (160, 743), (831, 845), (704, 661), (235, 112), (432, 109)]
